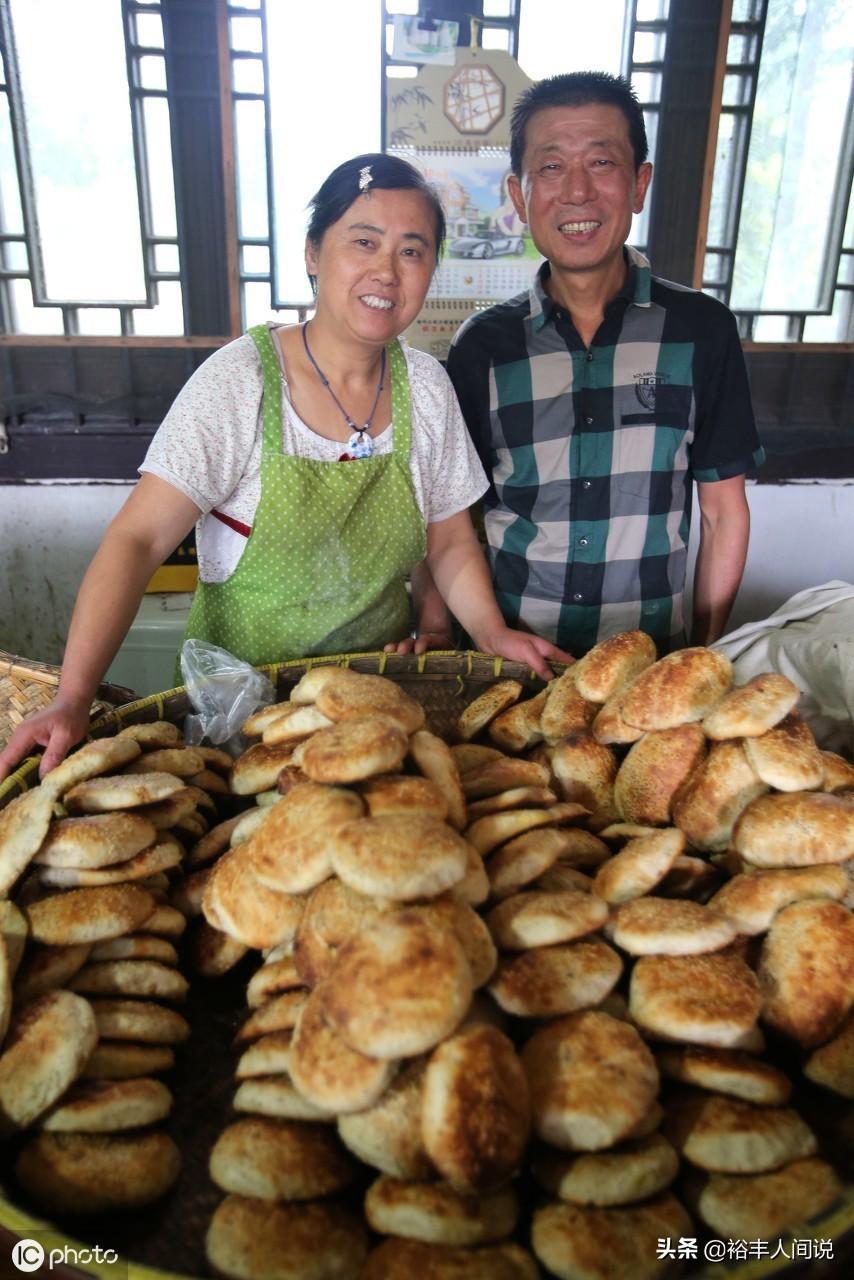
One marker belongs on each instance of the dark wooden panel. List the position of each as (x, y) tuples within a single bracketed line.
[(686, 105)]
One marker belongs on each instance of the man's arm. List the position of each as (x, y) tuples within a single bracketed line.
[(724, 534)]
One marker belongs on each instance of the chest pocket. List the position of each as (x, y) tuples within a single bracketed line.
[(647, 448)]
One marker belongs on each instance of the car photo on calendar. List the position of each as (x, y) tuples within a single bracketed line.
[(486, 244)]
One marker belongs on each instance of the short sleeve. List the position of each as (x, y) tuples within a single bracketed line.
[(452, 477), (205, 442), (726, 442)]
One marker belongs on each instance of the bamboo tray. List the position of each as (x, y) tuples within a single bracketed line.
[(166, 1241), (27, 686)]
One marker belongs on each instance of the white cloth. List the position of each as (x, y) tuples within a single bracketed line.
[(209, 447), (810, 639)]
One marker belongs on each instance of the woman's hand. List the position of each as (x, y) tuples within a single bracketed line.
[(421, 643), (56, 728), (521, 646)]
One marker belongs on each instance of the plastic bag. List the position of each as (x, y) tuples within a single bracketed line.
[(224, 691)]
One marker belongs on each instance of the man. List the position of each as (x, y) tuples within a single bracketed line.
[(596, 398)]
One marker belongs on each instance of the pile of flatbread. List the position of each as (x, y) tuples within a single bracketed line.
[(89, 970), (563, 945)]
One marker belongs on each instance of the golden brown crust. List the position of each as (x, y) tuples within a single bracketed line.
[(638, 867), (710, 999), (682, 686), (24, 824), (787, 758), (290, 850), (120, 1060), (727, 1135), (139, 1020), (398, 856), (502, 773), (236, 902), (99, 840), (108, 1106), (280, 1160), (767, 1205), (279, 1014), (540, 919), (476, 1112), (333, 913), (612, 664), (670, 927), (388, 1136), (629, 1172), (400, 793), (525, 859), (657, 765), (397, 1259), (354, 750), (585, 771), (47, 1047), (147, 978), (398, 988), (494, 699), (89, 915), (801, 829), (752, 708), (437, 1214), (496, 829), (325, 1070), (183, 762), (436, 761), (361, 696), (165, 853), (251, 1239), (548, 981), (259, 767), (592, 1080), (97, 1173), (730, 1071), (752, 901), (519, 728), (832, 1064), (577, 1243), (120, 791), (806, 971), (715, 795)]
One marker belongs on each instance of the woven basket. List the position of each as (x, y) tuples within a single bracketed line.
[(165, 1242), (27, 686)]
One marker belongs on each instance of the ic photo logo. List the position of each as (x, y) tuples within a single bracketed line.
[(28, 1255)]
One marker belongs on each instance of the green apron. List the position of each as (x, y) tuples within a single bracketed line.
[(331, 544)]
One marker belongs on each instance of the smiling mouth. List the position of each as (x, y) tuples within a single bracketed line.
[(376, 303), (578, 228)]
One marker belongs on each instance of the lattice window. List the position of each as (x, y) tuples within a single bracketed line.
[(780, 247), (88, 236)]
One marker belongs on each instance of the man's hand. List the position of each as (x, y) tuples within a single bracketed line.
[(521, 646), (57, 728), (421, 643)]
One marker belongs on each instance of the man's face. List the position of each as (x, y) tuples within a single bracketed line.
[(579, 187)]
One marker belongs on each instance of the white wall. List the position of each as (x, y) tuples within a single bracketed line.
[(802, 535)]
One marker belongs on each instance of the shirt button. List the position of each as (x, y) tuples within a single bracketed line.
[(578, 596), (582, 542), (589, 422), (587, 484), (589, 356)]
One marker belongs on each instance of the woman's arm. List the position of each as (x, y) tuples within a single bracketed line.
[(461, 574), (149, 526)]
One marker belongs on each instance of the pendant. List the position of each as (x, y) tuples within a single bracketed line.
[(360, 444)]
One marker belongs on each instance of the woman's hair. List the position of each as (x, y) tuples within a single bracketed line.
[(342, 188)]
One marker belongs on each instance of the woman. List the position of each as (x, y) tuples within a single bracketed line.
[(305, 533)]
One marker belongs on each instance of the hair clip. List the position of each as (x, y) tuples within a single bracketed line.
[(365, 178)]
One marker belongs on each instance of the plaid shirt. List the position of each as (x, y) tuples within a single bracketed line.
[(591, 452)]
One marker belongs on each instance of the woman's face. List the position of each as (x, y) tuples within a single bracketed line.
[(374, 265)]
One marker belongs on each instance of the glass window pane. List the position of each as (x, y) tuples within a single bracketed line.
[(789, 219), (29, 319), (647, 85), (15, 255), (251, 169), (746, 10), (846, 268), (92, 321), (166, 257), (167, 318), (736, 90), (649, 46), (740, 49), (161, 187), (714, 268), (256, 260), (248, 75), (497, 8), (11, 217), (771, 329), (152, 72), (401, 72), (837, 327), (244, 4), (409, 7), (495, 38), (82, 154), (730, 134), (246, 33), (652, 10), (342, 124), (257, 304), (552, 40), (149, 30)]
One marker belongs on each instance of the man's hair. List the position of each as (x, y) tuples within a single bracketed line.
[(577, 89)]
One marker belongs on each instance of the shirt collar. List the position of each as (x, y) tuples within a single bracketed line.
[(635, 291)]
